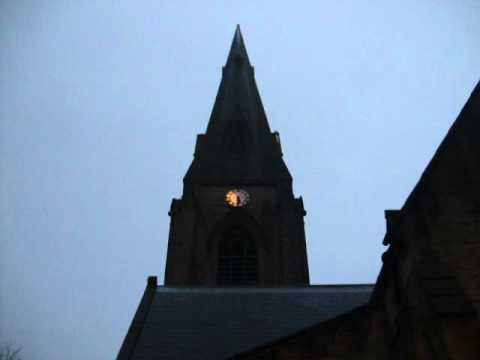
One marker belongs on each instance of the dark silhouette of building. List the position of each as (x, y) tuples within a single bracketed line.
[(247, 241), (236, 280), (426, 302)]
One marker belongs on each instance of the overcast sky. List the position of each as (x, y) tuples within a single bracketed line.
[(100, 104)]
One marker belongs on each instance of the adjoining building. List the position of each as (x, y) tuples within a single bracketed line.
[(236, 278)]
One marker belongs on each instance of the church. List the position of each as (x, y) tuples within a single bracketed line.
[(237, 282)]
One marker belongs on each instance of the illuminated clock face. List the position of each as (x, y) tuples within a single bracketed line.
[(237, 197)]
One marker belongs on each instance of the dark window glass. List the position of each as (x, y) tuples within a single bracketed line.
[(237, 258)]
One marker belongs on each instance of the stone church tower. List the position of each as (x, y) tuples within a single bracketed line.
[(238, 222), (236, 276)]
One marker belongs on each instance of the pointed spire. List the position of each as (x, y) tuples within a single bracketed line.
[(238, 130), (238, 53)]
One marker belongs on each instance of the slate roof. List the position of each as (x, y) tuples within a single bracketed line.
[(216, 323)]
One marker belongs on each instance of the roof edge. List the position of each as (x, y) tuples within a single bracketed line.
[(353, 312), (136, 327)]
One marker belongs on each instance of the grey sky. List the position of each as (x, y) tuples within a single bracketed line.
[(100, 103)]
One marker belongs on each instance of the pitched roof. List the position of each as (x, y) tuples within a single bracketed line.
[(216, 323), (453, 166)]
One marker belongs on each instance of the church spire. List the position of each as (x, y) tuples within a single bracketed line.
[(238, 130), (238, 102), (238, 222), (238, 52)]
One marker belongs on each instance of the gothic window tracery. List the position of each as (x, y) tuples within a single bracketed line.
[(237, 258)]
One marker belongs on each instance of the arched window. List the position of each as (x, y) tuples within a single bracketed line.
[(237, 258)]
